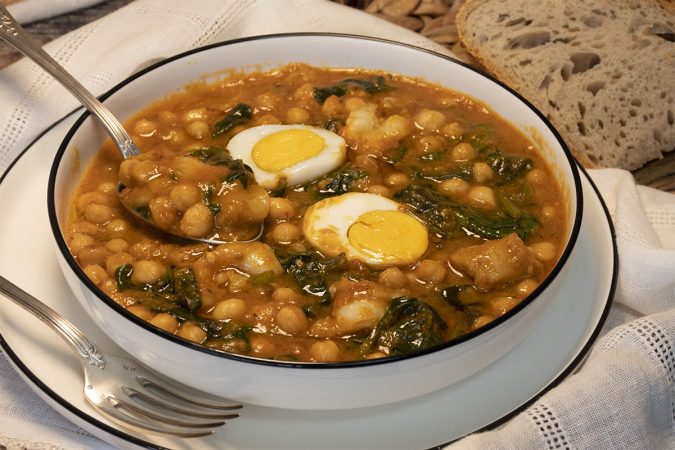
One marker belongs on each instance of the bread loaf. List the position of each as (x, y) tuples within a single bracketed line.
[(602, 71)]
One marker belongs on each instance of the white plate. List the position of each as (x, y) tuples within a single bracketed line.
[(556, 345)]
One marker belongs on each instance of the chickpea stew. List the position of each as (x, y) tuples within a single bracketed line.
[(372, 215)]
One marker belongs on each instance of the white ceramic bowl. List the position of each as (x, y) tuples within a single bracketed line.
[(306, 385)]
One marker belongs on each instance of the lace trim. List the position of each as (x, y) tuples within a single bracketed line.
[(549, 426), (7, 443)]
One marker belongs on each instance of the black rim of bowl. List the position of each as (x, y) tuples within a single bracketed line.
[(53, 218)]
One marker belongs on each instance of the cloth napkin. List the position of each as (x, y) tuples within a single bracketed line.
[(26, 11), (622, 397)]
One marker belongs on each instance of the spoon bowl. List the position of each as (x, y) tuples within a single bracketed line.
[(15, 36)]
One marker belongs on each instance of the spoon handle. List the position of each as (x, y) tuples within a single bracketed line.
[(14, 35)]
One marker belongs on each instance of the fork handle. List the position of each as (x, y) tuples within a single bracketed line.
[(69, 332), (14, 35)]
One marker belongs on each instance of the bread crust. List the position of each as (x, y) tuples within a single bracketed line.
[(610, 126)]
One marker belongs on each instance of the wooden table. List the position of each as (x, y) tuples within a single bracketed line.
[(659, 174)]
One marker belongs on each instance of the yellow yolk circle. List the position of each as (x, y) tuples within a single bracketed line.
[(389, 236), (286, 148)]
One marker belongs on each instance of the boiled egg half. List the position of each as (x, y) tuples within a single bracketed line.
[(298, 153), (368, 227)]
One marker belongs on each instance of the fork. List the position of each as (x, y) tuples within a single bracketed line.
[(126, 391)]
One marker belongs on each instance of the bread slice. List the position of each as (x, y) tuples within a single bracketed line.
[(603, 71)]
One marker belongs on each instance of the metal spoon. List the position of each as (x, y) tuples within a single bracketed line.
[(13, 34)]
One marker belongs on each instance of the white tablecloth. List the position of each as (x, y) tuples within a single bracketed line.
[(623, 396)]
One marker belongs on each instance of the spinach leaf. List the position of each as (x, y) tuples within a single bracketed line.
[(186, 289), (238, 115), (446, 218), (494, 225), (369, 85), (123, 277), (208, 201), (312, 272), (218, 156), (407, 326), (336, 183), (508, 168), (334, 125)]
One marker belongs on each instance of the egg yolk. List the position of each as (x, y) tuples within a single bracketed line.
[(284, 149), (389, 236)]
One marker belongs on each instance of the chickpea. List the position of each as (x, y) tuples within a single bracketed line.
[(525, 287), (257, 204), (168, 117), (185, 195), (292, 319), (482, 321), (324, 327), (548, 213), (267, 101), (93, 254), (482, 197), (324, 351), (145, 128), (266, 119), (261, 346), (116, 260), (232, 308), (297, 115), (197, 221), (187, 166), (176, 137), (430, 144), (163, 213), (454, 187), (397, 180), (141, 312), (353, 103), (332, 106), (191, 332), (139, 197), (147, 271), (376, 355), (304, 92), (501, 305), (482, 172), (284, 295), (453, 130), (393, 277), (430, 271), (107, 187), (285, 233), (397, 127), (463, 152), (429, 119), (117, 226), (165, 321), (89, 198), (80, 241), (536, 176), (198, 129), (233, 280), (544, 251), (143, 170), (379, 189), (96, 273), (281, 209), (195, 114), (117, 245)]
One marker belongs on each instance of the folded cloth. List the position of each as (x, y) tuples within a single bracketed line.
[(623, 395), (27, 11)]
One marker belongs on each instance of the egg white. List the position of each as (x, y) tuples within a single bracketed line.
[(331, 157), (326, 225)]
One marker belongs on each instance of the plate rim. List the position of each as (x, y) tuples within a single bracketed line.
[(56, 399)]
